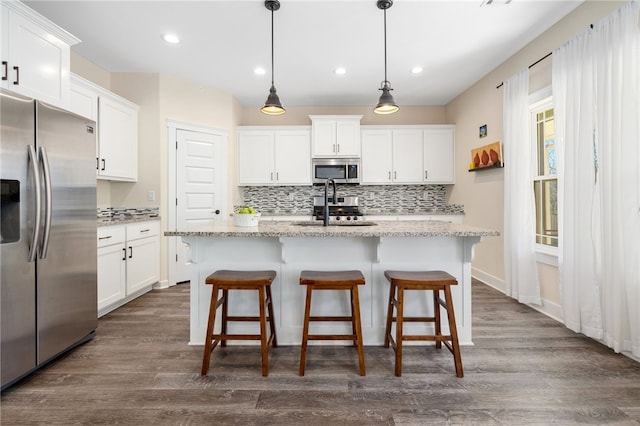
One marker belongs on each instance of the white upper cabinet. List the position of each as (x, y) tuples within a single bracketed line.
[(117, 122), (439, 154), (274, 156), (407, 154), (335, 135), (377, 156), (35, 55)]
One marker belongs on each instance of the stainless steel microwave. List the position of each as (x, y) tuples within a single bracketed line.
[(342, 170)]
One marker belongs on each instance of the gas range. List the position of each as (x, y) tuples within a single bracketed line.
[(346, 209)]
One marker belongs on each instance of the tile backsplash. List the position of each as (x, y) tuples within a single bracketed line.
[(371, 198), (122, 212)]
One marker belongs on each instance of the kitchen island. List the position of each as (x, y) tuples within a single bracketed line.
[(289, 247)]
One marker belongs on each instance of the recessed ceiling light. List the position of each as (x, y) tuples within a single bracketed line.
[(260, 71), (416, 70), (171, 38), (340, 71)]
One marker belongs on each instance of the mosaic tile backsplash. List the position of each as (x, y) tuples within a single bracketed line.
[(371, 199), (117, 212)]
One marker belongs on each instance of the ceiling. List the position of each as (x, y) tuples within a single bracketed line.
[(222, 42)]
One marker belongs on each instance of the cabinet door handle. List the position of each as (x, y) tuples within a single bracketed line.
[(338, 148), (5, 73), (389, 175), (425, 174), (395, 175), (17, 70), (97, 163), (130, 252), (277, 175), (124, 253), (104, 164), (334, 148)]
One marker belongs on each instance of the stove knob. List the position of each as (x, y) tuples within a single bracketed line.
[(337, 217), (355, 218), (348, 217)]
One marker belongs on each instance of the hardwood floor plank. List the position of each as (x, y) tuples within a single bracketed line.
[(524, 369)]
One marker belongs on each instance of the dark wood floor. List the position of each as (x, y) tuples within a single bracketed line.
[(524, 369)]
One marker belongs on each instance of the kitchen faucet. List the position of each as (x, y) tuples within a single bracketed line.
[(326, 199)]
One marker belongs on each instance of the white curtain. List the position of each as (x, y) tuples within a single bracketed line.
[(596, 92), (521, 274)]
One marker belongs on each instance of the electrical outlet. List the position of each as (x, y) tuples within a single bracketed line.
[(151, 196)]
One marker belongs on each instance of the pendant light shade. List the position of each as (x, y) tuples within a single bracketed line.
[(272, 105), (386, 103)]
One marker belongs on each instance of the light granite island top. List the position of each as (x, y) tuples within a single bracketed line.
[(289, 247), (400, 228)]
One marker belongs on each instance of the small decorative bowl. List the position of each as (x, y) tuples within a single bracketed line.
[(246, 219)]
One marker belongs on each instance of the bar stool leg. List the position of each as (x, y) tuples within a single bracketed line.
[(272, 325), (436, 316), (353, 321), (305, 331), (454, 332), (387, 333), (263, 332), (399, 330), (358, 329), (213, 307), (225, 314)]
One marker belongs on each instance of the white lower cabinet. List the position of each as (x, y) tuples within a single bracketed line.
[(128, 263)]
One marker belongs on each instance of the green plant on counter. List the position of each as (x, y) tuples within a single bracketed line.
[(246, 210)]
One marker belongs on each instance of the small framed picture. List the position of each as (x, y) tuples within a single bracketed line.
[(483, 131)]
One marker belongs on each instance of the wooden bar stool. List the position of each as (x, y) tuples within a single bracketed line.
[(333, 280), (421, 280), (225, 280)]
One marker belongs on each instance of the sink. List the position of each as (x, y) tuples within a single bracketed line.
[(346, 223)]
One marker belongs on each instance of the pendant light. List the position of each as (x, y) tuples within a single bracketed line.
[(272, 105), (386, 104)]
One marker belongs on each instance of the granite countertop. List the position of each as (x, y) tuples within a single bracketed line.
[(423, 228), (367, 212), (123, 220)]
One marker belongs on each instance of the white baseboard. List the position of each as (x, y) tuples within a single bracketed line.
[(161, 284), (550, 309)]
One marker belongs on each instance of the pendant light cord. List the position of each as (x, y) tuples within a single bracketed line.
[(385, 45), (272, 48)]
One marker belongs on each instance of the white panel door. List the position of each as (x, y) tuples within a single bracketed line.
[(199, 187)]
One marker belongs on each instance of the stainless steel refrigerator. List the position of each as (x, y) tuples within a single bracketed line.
[(48, 251)]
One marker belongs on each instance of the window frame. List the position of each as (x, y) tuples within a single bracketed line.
[(539, 102)]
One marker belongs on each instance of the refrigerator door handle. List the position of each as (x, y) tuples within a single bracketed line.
[(44, 159), (35, 236)]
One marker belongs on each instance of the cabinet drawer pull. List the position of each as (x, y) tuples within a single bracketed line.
[(17, 70), (145, 230), (105, 238), (5, 74)]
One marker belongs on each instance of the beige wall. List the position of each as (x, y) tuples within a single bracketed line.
[(299, 116), (482, 193)]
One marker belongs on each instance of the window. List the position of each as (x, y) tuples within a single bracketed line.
[(545, 181)]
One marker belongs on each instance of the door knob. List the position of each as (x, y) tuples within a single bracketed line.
[(217, 211)]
